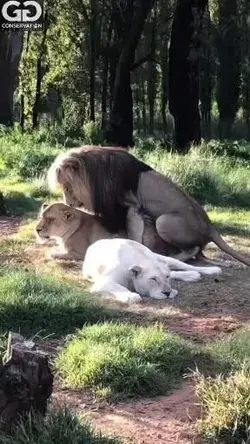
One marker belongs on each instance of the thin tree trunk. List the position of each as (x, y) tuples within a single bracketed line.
[(22, 104), (93, 37), (39, 75), (206, 84), (164, 87), (144, 106), (105, 78), (184, 72), (152, 80)]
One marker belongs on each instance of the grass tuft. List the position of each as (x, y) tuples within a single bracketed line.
[(118, 360), (231, 352), (59, 427), (226, 407)]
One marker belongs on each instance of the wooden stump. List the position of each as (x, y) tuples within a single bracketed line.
[(26, 381)]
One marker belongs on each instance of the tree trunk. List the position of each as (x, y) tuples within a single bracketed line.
[(229, 68), (25, 382), (120, 127), (93, 36), (206, 81), (152, 77), (184, 72), (10, 53)]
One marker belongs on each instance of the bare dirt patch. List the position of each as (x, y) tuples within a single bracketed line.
[(9, 225)]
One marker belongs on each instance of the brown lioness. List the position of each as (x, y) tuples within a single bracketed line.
[(74, 230)]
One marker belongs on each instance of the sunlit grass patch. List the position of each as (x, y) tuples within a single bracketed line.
[(119, 360)]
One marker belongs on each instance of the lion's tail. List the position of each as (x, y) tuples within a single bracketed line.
[(217, 239)]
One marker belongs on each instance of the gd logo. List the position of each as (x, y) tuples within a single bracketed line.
[(23, 14)]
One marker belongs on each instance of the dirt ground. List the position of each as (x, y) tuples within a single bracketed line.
[(201, 312)]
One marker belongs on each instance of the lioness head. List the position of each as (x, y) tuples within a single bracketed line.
[(152, 281), (56, 221)]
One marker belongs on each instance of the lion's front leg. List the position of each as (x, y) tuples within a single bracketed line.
[(57, 253), (122, 294)]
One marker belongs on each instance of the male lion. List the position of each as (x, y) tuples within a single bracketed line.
[(73, 229), (109, 181), (129, 270)]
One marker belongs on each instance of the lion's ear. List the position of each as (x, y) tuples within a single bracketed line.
[(135, 270), (67, 215)]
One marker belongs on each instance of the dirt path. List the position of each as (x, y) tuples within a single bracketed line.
[(162, 420)]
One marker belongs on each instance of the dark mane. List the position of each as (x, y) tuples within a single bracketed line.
[(111, 172)]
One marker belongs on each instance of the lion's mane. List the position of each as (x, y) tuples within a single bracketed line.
[(106, 174)]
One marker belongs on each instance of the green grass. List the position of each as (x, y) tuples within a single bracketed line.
[(232, 352), (225, 398), (232, 221), (119, 360), (25, 197), (59, 427), (30, 302)]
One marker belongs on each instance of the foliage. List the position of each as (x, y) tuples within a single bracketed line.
[(92, 133), (116, 360), (60, 426)]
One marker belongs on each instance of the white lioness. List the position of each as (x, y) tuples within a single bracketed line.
[(129, 270), (73, 230)]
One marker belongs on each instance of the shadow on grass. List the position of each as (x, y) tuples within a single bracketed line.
[(232, 230), (18, 204), (30, 303)]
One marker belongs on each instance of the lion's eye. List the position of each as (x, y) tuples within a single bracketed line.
[(153, 279), (50, 219)]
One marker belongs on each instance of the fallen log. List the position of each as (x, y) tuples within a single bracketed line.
[(26, 381)]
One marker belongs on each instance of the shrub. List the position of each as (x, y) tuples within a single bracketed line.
[(92, 133), (34, 164), (116, 360)]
